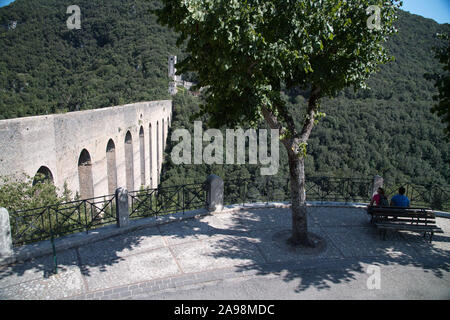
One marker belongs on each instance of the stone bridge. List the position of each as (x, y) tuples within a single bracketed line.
[(93, 151)]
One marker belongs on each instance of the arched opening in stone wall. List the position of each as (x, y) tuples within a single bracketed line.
[(150, 152), (129, 165), (85, 175), (157, 151), (111, 168), (142, 154), (43, 175), (163, 142)]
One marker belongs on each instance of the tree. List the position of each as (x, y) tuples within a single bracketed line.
[(246, 52), (442, 83), (24, 192)]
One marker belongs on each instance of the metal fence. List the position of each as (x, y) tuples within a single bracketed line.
[(166, 200), (57, 220), (431, 196), (317, 189), (46, 223), (325, 189)]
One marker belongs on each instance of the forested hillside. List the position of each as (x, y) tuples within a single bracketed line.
[(120, 56)]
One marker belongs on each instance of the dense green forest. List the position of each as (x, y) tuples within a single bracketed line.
[(120, 56)]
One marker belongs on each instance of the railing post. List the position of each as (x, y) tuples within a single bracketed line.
[(377, 183), (122, 207), (6, 248), (214, 193)]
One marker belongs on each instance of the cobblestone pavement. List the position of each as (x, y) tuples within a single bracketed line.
[(234, 255)]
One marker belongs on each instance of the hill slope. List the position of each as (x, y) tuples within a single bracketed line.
[(119, 56)]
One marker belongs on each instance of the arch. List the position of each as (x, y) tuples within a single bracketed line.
[(85, 175), (157, 151), (43, 175), (129, 163), (163, 142), (142, 154), (111, 168), (150, 152)]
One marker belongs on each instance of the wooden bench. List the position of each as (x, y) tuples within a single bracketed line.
[(401, 218)]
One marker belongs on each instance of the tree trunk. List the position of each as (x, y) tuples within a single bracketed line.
[(296, 157), (298, 201)]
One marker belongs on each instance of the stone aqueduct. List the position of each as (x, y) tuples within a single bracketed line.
[(93, 151)]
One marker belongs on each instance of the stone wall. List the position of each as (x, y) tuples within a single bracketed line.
[(58, 141)]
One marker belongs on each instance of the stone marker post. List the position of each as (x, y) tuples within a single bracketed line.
[(214, 193), (6, 248), (377, 183), (122, 213)]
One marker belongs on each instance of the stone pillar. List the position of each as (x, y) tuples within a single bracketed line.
[(6, 248), (377, 183), (122, 213), (214, 193)]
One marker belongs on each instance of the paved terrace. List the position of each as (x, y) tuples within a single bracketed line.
[(234, 255)]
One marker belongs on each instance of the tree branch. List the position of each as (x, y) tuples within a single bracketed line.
[(312, 108), (290, 137)]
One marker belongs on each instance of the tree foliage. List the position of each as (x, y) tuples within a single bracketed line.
[(245, 53), (442, 82), (22, 193), (118, 56)]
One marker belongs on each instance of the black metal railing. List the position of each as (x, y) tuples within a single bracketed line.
[(431, 196), (166, 200), (317, 189), (338, 189), (57, 220), (45, 223)]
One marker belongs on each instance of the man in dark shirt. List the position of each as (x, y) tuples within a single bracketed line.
[(400, 200)]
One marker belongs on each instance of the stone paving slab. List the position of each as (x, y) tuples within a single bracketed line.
[(274, 253), (64, 284), (365, 241), (219, 251), (332, 216), (123, 245), (247, 220), (154, 264), (186, 231), (35, 269), (34, 279)]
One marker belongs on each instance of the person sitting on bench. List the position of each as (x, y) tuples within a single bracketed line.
[(400, 200), (379, 199)]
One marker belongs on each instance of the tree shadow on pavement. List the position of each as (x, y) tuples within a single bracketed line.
[(352, 244)]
